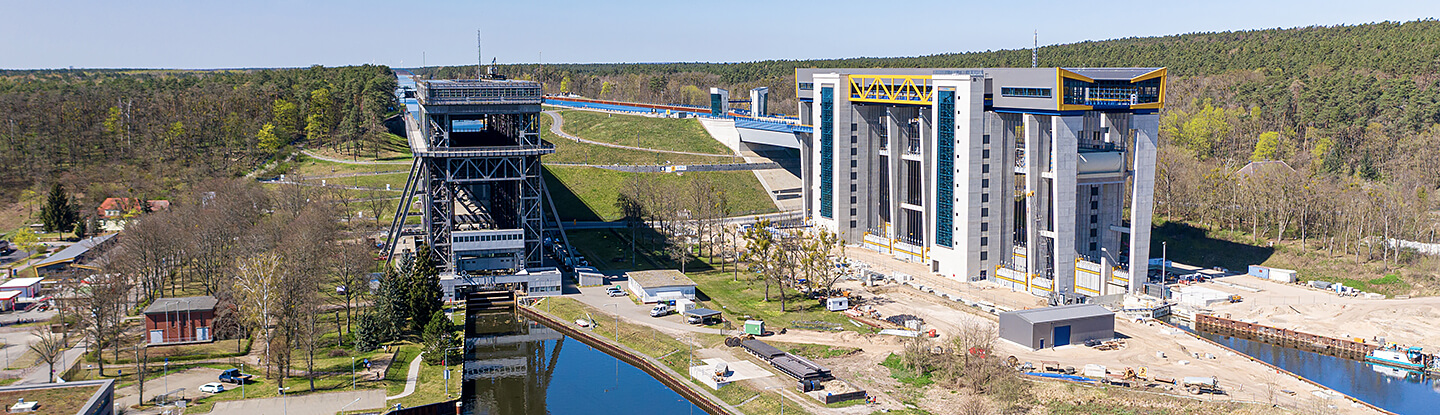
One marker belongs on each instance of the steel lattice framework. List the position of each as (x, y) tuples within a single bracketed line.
[(477, 164)]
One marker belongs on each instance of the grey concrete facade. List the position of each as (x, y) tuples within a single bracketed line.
[(1023, 179), (1057, 326)]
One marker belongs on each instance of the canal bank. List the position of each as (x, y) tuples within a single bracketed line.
[(515, 364), (660, 372), (1350, 382)]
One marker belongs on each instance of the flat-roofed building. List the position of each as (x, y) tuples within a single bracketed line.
[(660, 285), (1057, 326)]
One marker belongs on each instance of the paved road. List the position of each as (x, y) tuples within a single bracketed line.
[(322, 403), (559, 122), (189, 379), (42, 374), (343, 161)]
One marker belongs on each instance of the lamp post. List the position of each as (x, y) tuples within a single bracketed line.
[(1164, 263), (242, 381), (342, 409), (617, 320), (782, 397), (352, 372), (284, 400)]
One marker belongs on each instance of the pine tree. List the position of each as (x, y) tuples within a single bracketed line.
[(392, 305), (370, 331), (438, 337), (425, 291), (82, 229), (57, 215)]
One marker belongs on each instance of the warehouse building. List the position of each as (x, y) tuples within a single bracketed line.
[(1020, 176), (660, 285), (1057, 326)]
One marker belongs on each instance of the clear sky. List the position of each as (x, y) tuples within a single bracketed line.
[(265, 33)]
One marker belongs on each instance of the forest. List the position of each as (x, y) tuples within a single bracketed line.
[(1352, 110), (148, 133)]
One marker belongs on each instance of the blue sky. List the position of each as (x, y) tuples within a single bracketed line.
[(235, 33)]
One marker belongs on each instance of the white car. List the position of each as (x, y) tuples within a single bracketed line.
[(212, 387)]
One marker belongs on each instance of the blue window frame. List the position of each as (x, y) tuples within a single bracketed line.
[(827, 152), (945, 169)]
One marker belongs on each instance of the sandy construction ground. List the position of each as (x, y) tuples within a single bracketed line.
[(1413, 321), (1243, 379)]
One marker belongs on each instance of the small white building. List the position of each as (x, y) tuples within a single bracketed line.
[(1200, 296), (28, 287), (660, 285)]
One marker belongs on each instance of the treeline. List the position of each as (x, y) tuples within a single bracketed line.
[(112, 132), (1353, 109), (276, 261)]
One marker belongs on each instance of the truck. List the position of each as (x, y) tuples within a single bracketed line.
[(6, 248), (1197, 385), (661, 309), (234, 376)]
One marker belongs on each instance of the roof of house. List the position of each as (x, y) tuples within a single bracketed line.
[(1264, 166), (9, 295), (75, 251), (1061, 313), (125, 204), (660, 278), (180, 304), (21, 282)]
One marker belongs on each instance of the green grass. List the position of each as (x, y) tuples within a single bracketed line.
[(645, 132), (395, 180), (306, 166), (814, 351), (569, 151), (588, 193), (905, 375), (746, 297)]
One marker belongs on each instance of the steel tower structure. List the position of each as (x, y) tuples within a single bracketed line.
[(477, 149)]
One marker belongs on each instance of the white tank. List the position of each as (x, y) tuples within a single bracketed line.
[(1101, 162)]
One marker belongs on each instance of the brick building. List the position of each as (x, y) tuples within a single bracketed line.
[(180, 320)]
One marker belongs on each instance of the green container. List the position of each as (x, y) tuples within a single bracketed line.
[(755, 327)]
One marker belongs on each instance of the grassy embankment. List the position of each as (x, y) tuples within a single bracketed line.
[(738, 296), (1236, 250), (672, 352), (569, 151)]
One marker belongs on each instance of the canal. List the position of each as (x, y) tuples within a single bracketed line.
[(1396, 390), (516, 366)]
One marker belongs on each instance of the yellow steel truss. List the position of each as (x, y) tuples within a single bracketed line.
[(893, 89)]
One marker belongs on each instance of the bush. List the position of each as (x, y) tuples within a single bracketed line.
[(338, 353)]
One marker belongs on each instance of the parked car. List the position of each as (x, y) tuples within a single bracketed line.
[(614, 291), (234, 376), (661, 310), (212, 387)]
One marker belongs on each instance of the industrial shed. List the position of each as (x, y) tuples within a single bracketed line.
[(660, 285), (1057, 326)]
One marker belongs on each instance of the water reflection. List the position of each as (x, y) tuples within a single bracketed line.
[(1396, 390), (514, 366)]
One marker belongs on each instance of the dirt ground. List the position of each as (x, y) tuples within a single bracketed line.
[(1243, 379), (1413, 321)]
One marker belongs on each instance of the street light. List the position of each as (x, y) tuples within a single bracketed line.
[(617, 320), (782, 397), (352, 372), (286, 402), (242, 380), (342, 409)]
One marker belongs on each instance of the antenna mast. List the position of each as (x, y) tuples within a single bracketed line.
[(1035, 51), (479, 57)]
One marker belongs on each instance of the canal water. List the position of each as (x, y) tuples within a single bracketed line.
[(516, 366), (1396, 390)]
